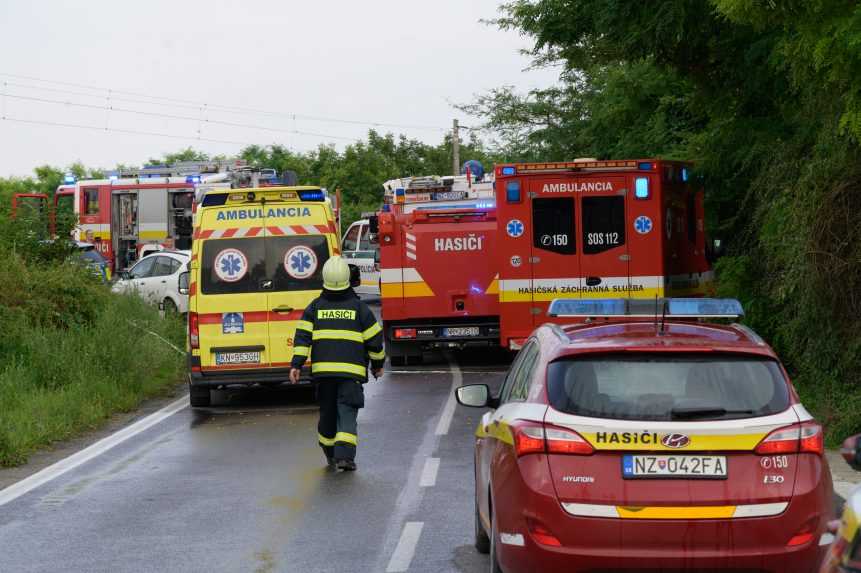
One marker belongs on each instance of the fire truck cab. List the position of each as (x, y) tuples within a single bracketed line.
[(588, 228)]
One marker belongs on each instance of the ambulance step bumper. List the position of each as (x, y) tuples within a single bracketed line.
[(247, 378)]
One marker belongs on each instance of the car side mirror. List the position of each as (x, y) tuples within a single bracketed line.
[(125, 275), (182, 283), (476, 396), (355, 276), (851, 451)]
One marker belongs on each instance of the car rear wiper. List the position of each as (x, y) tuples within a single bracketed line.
[(705, 412)]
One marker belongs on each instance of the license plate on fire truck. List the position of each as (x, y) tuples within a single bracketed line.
[(224, 358), (461, 331), (688, 467)]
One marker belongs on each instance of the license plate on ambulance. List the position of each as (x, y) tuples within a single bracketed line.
[(461, 331), (225, 358), (687, 467)]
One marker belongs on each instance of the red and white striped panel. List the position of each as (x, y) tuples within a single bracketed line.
[(270, 230)]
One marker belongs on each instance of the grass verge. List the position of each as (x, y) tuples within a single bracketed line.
[(60, 378)]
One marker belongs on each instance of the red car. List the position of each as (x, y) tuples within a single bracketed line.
[(642, 440)]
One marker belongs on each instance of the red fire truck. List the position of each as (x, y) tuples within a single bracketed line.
[(591, 228), (437, 237), (135, 209)]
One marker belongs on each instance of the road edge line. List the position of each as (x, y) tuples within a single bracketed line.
[(69, 463)]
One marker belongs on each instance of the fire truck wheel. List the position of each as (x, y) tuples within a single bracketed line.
[(199, 397)]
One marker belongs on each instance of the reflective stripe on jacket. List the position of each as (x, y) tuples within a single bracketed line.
[(340, 334)]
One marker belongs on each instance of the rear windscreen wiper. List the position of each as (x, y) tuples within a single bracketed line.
[(688, 413)]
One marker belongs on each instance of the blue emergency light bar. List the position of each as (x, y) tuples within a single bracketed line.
[(643, 307), (192, 179), (69, 178), (508, 170), (316, 195)]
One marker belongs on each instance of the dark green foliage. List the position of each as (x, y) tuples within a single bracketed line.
[(765, 97)]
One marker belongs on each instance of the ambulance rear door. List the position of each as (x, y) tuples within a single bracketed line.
[(232, 305), (300, 239), (553, 239), (603, 235)]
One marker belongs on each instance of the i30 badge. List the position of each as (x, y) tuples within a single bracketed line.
[(675, 441)]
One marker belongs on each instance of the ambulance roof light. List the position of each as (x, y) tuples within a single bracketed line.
[(675, 307), (192, 179), (509, 170), (645, 166), (316, 195), (684, 174), (69, 178)]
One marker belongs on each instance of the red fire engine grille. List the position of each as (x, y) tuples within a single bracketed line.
[(273, 230)]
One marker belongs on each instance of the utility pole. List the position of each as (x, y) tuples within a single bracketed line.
[(455, 149)]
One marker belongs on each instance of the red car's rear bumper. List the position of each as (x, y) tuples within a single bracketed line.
[(593, 544)]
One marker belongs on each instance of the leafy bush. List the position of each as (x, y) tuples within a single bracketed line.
[(73, 353)]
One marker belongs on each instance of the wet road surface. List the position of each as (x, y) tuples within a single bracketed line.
[(242, 486)]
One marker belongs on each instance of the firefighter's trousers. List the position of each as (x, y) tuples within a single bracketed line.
[(340, 400)]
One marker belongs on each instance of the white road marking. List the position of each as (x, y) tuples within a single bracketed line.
[(53, 471), (406, 549), (844, 488), (445, 418), (429, 472)]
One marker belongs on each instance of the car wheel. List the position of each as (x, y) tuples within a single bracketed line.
[(494, 536), (169, 306), (199, 397), (482, 541)]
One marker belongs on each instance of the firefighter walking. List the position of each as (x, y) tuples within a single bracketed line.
[(340, 334)]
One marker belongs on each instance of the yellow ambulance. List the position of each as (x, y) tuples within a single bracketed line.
[(257, 261)]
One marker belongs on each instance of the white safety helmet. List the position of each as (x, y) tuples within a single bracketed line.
[(336, 274)]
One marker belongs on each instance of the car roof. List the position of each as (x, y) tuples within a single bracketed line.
[(643, 336)]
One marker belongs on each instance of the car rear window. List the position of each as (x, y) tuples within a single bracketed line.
[(667, 387), (273, 264)]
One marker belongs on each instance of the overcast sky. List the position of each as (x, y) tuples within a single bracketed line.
[(390, 62)]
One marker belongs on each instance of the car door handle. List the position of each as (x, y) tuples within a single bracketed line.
[(283, 309)]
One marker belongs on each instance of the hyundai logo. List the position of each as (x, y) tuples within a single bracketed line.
[(675, 441)]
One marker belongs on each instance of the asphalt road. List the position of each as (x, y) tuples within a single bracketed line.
[(242, 486)]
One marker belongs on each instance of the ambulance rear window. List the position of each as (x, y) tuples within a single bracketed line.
[(553, 225), (603, 223), (273, 264), (667, 387)]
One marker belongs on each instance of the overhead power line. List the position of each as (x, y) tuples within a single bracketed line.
[(153, 100), (120, 130), (199, 120)]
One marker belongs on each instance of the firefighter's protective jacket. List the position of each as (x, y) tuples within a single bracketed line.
[(340, 333)]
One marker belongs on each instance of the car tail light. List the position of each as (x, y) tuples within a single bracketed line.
[(541, 533), (564, 441), (193, 330), (804, 534), (806, 437), (405, 333), (528, 438), (536, 438)]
